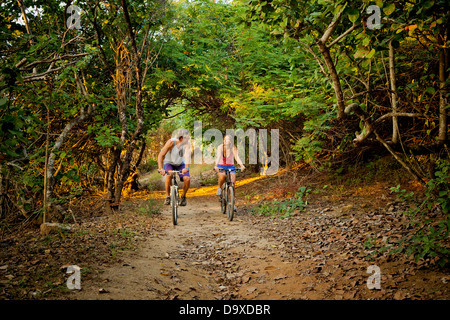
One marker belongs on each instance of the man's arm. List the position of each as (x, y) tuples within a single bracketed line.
[(187, 157), (162, 154), (187, 154)]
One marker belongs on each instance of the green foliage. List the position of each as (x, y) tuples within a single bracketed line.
[(150, 207), (401, 193), (244, 64), (311, 143), (29, 108), (285, 208), (430, 221)]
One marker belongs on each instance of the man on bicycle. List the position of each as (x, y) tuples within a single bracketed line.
[(176, 154), (226, 154)]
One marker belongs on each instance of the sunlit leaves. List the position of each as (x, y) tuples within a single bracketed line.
[(389, 9), (353, 14)]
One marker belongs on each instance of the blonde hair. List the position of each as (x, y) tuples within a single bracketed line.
[(224, 145)]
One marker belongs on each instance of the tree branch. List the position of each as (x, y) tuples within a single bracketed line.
[(397, 114), (42, 76), (66, 56), (404, 165), (326, 35), (342, 36), (319, 62)]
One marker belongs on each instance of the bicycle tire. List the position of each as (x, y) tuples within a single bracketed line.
[(174, 203), (230, 203), (223, 200)]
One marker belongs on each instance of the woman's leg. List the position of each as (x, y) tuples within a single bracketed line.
[(233, 180), (222, 178)]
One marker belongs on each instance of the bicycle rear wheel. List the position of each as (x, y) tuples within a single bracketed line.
[(230, 203), (174, 203)]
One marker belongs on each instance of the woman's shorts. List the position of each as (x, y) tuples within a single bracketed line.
[(227, 166)]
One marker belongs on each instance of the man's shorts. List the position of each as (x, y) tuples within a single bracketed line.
[(227, 166), (168, 167)]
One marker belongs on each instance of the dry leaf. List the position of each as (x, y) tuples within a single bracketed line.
[(280, 276)]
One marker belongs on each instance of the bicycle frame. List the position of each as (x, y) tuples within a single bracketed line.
[(227, 199), (174, 196)]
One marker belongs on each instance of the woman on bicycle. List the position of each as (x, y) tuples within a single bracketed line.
[(226, 154)]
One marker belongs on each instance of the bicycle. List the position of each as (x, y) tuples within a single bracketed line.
[(227, 198), (174, 196)]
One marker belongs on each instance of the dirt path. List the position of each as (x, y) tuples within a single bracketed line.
[(322, 252), (316, 254), (203, 257)]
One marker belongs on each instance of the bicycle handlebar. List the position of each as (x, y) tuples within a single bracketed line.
[(229, 170), (172, 171)]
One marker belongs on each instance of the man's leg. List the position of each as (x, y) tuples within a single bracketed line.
[(168, 182), (186, 184)]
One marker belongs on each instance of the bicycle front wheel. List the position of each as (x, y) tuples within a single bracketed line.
[(230, 203), (223, 200), (174, 203)]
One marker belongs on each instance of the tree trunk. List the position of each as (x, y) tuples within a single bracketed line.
[(334, 78), (56, 147), (1, 192), (394, 101), (325, 50), (125, 165), (50, 183), (44, 205), (442, 98), (141, 154), (125, 168), (27, 25), (111, 181)]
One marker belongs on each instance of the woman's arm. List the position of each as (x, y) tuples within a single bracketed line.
[(219, 152), (238, 159)]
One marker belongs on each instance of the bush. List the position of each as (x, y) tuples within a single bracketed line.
[(285, 208), (430, 220)]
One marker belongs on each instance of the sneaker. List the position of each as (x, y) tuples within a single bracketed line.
[(219, 192), (183, 201), (167, 201)]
